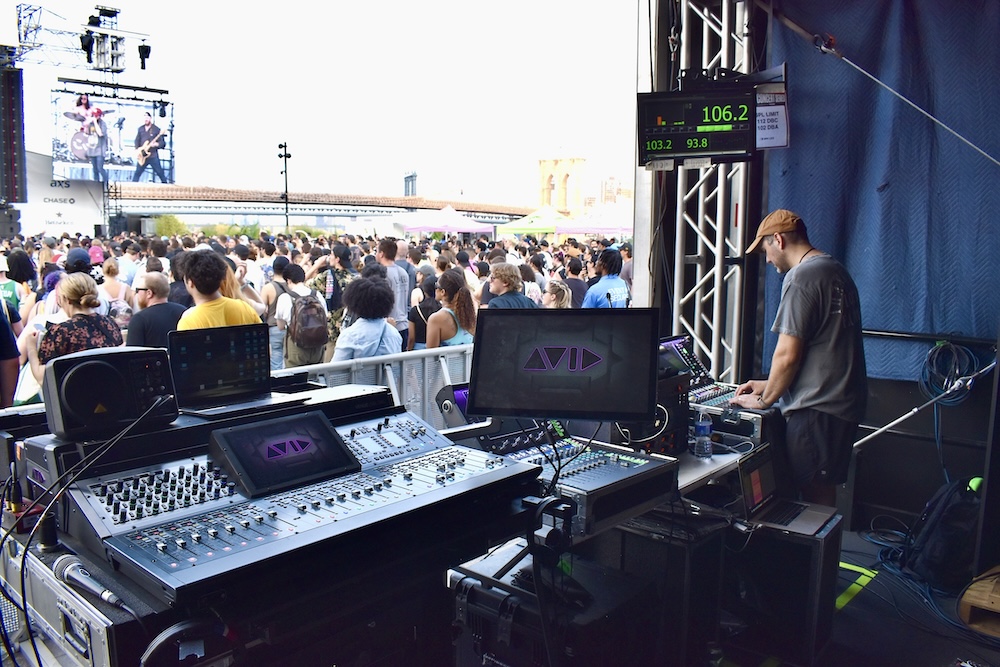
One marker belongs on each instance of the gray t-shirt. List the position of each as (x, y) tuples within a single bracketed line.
[(820, 305), (400, 284)]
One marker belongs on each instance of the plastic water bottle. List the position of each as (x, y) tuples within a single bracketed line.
[(703, 435)]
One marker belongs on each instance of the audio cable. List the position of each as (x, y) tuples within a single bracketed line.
[(65, 480)]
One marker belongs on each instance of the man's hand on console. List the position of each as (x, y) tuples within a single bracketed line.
[(748, 395)]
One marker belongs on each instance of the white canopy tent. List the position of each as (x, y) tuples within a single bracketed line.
[(446, 220)]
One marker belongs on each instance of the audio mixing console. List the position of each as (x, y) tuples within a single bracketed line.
[(711, 397), (178, 528)]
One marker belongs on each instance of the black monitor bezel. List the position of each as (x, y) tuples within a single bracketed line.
[(643, 412)]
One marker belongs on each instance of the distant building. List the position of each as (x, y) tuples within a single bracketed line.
[(567, 185)]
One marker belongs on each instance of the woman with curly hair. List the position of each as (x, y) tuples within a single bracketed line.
[(76, 295), (371, 301), (455, 323)]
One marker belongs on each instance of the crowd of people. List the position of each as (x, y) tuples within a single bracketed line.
[(323, 299), (344, 298)]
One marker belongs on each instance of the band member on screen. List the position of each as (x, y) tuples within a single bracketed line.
[(82, 111), (97, 143), (148, 141)]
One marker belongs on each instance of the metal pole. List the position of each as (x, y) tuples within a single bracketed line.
[(284, 155)]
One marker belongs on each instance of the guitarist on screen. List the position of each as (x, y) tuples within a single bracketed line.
[(148, 141)]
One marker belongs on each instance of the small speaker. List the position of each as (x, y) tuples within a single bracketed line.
[(97, 393)]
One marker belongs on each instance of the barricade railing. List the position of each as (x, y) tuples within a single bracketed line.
[(414, 378)]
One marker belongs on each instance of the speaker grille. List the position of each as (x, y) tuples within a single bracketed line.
[(13, 173)]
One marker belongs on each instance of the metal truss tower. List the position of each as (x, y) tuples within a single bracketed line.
[(709, 204)]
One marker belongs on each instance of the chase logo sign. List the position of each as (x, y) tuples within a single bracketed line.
[(557, 357), (286, 448)]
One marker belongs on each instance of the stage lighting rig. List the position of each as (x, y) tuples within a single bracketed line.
[(104, 43)]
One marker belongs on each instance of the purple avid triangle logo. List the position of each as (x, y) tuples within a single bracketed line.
[(286, 448), (553, 358)]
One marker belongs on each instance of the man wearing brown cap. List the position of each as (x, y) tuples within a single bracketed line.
[(818, 377)]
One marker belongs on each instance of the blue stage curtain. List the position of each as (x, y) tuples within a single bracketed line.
[(910, 209)]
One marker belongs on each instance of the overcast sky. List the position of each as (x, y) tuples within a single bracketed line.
[(468, 95)]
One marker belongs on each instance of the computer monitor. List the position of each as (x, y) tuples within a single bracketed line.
[(596, 364)]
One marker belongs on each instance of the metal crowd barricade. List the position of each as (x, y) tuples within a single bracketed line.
[(414, 378)]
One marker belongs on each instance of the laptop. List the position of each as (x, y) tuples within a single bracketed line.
[(764, 509), (223, 371)]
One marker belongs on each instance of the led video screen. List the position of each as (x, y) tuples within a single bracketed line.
[(99, 138)]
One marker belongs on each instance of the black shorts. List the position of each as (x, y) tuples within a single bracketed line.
[(819, 446)]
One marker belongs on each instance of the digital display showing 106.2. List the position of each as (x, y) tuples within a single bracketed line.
[(704, 124)]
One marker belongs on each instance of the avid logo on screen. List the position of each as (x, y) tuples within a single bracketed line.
[(558, 357), (287, 448)]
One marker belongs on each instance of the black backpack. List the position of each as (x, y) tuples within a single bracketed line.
[(940, 546), (307, 327)]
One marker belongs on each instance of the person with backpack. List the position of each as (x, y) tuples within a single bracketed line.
[(301, 314)]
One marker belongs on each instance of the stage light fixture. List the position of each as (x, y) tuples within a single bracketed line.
[(163, 109), (87, 44), (94, 22), (144, 51)]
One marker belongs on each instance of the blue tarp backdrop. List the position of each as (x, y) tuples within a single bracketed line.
[(909, 209)]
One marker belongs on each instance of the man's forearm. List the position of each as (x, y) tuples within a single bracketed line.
[(784, 367)]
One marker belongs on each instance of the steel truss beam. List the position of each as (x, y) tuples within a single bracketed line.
[(710, 209)]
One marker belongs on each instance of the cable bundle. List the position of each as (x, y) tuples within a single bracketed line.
[(945, 363)]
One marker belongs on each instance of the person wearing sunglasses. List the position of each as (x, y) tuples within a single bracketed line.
[(149, 326)]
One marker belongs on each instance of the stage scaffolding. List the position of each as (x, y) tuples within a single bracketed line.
[(708, 205)]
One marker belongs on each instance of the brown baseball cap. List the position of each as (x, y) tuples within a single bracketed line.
[(781, 220)]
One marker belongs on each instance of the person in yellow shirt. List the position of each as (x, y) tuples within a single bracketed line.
[(204, 272)]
